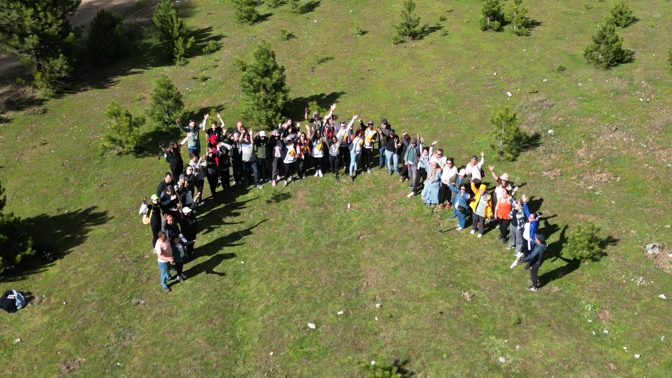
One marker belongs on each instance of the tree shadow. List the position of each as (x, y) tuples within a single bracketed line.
[(149, 145), (306, 7), (214, 248), (201, 39), (278, 197), (295, 107), (62, 232), (403, 369), (19, 99), (532, 24)]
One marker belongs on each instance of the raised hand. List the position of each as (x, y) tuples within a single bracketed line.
[(491, 167)]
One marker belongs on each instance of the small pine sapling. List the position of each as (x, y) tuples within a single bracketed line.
[(583, 244)]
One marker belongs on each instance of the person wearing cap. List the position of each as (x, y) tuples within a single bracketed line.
[(481, 207), (345, 135), (383, 135), (535, 259), (474, 168), (391, 156), (193, 140), (503, 183), (189, 230), (460, 204)]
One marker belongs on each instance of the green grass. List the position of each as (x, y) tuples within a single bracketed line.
[(273, 260)]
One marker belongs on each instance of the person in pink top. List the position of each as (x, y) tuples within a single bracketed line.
[(165, 258)]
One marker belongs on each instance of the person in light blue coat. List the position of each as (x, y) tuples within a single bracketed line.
[(430, 193), (461, 204)]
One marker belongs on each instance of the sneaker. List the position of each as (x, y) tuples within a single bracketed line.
[(519, 254), (352, 178), (183, 276), (508, 247), (180, 279), (497, 226), (320, 172), (532, 288), (317, 173), (286, 183), (273, 182), (368, 170), (411, 194), (504, 241), (260, 186), (459, 228), (479, 235), (473, 232), (166, 289), (447, 207), (441, 206), (410, 186), (452, 216)]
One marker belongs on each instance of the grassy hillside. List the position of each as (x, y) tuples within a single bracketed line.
[(270, 261)]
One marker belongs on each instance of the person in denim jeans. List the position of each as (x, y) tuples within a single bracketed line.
[(391, 153), (460, 202), (165, 258), (383, 135)]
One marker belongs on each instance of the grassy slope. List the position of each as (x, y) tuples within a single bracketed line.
[(306, 257)]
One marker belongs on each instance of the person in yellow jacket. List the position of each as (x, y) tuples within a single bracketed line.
[(481, 205)]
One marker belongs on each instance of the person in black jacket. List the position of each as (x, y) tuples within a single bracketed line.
[(174, 158), (8, 302), (169, 202), (211, 172), (167, 181), (189, 229), (535, 259), (154, 218)]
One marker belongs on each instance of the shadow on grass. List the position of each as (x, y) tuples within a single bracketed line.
[(403, 369), (214, 248), (17, 98), (554, 252), (306, 7), (215, 220), (296, 106), (278, 197), (201, 38), (63, 232)]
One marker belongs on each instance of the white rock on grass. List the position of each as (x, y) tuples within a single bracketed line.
[(378, 305), (311, 325), (638, 355), (662, 296), (502, 359), (508, 94), (339, 313)]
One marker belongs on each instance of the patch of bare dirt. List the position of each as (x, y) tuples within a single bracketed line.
[(662, 259), (68, 366)]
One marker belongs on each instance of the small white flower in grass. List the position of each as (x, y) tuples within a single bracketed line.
[(508, 94), (373, 362), (242, 262), (339, 313), (545, 80), (502, 359), (638, 355), (271, 353), (378, 305), (376, 318), (18, 340), (605, 331)]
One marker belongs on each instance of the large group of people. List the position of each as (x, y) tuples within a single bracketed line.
[(322, 146)]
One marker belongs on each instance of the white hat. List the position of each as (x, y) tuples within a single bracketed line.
[(262, 133), (462, 172), (186, 210)]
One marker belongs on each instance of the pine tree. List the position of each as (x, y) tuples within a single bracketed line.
[(507, 136), (166, 105), (15, 241), (620, 14), (265, 90), (38, 33), (607, 48), (172, 32), (492, 17), (583, 244), (410, 25), (516, 19), (124, 134), (246, 11), (106, 40)]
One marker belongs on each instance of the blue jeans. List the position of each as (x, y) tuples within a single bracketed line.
[(165, 273), (461, 217), (392, 162), (354, 159), (252, 166), (381, 156)]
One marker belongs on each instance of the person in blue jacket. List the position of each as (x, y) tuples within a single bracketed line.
[(461, 202)]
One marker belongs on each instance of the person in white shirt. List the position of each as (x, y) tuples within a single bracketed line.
[(474, 168)]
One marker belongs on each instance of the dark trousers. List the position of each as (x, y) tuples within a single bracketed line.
[(534, 269), (238, 171), (155, 232), (212, 183), (367, 155), (318, 163), (333, 164), (504, 228), (225, 176), (477, 222), (263, 164), (444, 194), (344, 156), (303, 165), (289, 170)]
